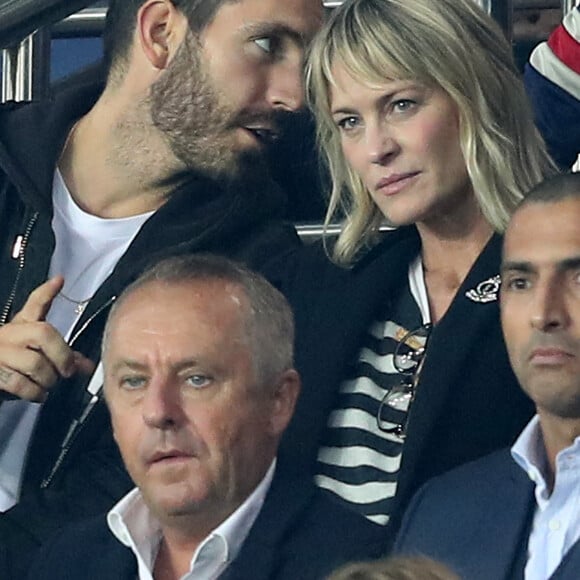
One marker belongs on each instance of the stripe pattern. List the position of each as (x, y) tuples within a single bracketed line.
[(552, 79), (358, 462)]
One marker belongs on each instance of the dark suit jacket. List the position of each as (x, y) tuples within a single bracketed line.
[(468, 401), (299, 534), (477, 520)]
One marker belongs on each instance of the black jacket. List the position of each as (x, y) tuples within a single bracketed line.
[(299, 534), (468, 401), (240, 220)]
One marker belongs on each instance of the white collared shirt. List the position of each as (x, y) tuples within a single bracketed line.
[(134, 526), (556, 525)]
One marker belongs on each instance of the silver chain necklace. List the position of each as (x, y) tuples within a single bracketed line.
[(80, 305)]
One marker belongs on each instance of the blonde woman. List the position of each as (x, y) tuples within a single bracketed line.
[(425, 127)]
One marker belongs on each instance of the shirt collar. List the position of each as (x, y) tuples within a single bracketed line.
[(133, 524), (530, 454)]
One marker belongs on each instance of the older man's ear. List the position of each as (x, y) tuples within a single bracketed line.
[(285, 395)]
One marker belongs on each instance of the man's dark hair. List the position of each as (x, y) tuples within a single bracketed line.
[(122, 17), (553, 189)]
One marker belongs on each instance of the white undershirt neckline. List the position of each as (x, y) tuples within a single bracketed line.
[(87, 249), (419, 288)]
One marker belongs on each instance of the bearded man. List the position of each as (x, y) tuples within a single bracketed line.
[(166, 159)]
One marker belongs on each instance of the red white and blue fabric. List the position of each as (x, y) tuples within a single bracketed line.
[(552, 78)]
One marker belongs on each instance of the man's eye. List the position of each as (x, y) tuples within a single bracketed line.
[(271, 45), (132, 383), (198, 381), (517, 283)]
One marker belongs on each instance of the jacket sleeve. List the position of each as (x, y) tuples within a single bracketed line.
[(97, 481), (552, 78)]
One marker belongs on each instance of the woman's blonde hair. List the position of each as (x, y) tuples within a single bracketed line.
[(451, 44), (395, 568)]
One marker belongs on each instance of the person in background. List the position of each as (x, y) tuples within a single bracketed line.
[(515, 513), (197, 356), (425, 126), (166, 158), (395, 568), (552, 79)]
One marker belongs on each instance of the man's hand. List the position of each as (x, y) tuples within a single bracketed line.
[(33, 354)]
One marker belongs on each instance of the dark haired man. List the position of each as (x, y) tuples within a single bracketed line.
[(515, 513), (166, 159)]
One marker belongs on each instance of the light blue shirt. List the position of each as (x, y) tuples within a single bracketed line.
[(556, 525)]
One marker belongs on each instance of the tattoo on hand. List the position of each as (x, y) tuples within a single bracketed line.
[(5, 376)]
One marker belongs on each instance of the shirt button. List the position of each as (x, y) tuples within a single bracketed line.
[(555, 525)]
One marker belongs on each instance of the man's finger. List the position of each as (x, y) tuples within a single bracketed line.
[(40, 300), (82, 364), (14, 385), (30, 364)]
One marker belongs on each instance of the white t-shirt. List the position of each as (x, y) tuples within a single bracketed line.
[(87, 249)]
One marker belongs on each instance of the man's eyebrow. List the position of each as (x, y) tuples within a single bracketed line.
[(516, 266), (572, 263), (133, 365), (128, 364)]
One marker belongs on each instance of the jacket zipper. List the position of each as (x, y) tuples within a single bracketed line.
[(18, 252), (77, 425)]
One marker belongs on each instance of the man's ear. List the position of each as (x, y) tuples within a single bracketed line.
[(284, 397), (161, 29)]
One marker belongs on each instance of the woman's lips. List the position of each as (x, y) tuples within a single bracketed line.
[(395, 183), (549, 356)]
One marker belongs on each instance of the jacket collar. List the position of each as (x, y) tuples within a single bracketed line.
[(258, 557), (33, 136), (432, 394)]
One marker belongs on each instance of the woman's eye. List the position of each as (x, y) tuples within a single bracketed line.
[(403, 105), (347, 123)]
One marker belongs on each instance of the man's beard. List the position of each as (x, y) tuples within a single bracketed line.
[(192, 116)]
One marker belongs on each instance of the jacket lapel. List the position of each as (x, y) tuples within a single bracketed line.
[(569, 568), (260, 556), (334, 308), (437, 378), (506, 529)]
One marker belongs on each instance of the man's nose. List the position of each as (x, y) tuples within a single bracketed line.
[(549, 309), (286, 86), (162, 405)]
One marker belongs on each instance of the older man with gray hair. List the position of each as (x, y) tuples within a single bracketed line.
[(200, 386)]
